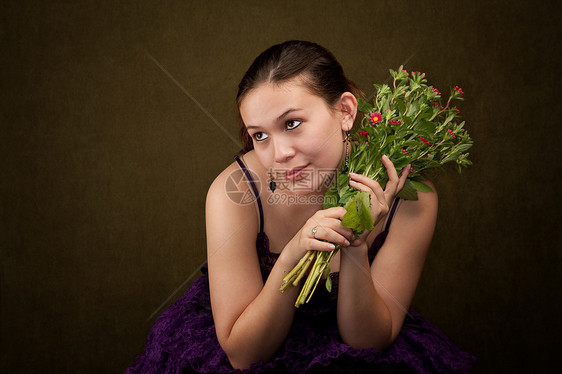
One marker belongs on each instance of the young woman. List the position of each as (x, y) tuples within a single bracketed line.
[(296, 106)]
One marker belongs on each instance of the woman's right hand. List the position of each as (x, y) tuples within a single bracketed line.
[(321, 232)]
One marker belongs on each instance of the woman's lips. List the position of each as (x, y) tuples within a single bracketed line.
[(295, 173)]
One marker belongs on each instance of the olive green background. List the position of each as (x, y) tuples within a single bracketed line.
[(106, 158)]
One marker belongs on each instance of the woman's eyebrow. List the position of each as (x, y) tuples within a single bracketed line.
[(279, 119)]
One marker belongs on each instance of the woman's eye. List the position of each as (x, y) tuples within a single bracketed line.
[(259, 136), (293, 124)]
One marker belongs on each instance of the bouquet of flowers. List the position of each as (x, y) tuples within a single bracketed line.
[(407, 122)]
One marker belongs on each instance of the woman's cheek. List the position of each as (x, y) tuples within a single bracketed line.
[(265, 156), (329, 153)]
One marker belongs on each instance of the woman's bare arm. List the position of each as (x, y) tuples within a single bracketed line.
[(373, 300), (252, 319)]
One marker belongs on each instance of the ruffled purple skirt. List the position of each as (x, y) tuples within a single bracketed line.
[(183, 340)]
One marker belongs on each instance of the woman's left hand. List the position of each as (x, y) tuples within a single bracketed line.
[(380, 199)]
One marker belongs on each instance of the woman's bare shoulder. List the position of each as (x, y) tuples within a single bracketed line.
[(425, 207), (217, 187), (248, 160), (230, 201), (414, 223)]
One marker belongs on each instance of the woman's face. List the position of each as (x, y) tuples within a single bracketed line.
[(295, 134)]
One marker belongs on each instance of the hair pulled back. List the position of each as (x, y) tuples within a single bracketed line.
[(317, 67)]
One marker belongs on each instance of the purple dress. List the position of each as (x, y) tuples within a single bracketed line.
[(183, 338)]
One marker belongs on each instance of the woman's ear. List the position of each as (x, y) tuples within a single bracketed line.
[(348, 107)]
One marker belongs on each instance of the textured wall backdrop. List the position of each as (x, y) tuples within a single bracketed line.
[(106, 159)]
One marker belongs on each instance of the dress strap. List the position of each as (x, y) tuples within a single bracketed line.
[(381, 237), (254, 188), (391, 214)]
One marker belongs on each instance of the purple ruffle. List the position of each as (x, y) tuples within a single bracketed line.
[(183, 339)]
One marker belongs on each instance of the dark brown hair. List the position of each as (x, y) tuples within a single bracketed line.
[(315, 65)]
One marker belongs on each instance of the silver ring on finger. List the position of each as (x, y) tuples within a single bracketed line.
[(314, 230)]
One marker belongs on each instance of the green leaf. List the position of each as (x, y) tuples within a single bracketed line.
[(401, 133), (351, 218), (343, 181), (400, 163), (364, 211), (408, 191), (463, 147), (425, 128), (331, 197), (413, 108), (389, 140), (422, 187), (358, 216), (328, 279), (346, 196), (364, 106), (385, 104), (451, 157), (435, 113), (410, 143), (449, 118), (401, 106), (407, 120)]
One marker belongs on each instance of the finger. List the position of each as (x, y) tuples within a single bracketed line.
[(346, 232), (333, 233), (337, 233), (370, 186), (379, 200), (363, 179), (363, 187), (319, 245), (380, 195), (335, 212), (390, 171), (403, 176), (331, 218), (356, 243)]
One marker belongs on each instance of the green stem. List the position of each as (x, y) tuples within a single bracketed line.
[(322, 260), (446, 106), (307, 284), (289, 278), (304, 269), (322, 266)]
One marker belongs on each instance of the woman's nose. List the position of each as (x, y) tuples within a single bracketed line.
[(284, 151)]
